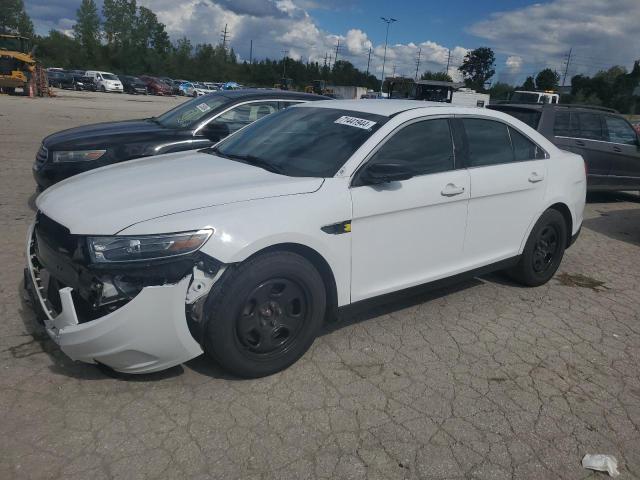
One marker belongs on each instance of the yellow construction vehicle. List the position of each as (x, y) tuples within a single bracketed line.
[(18, 67)]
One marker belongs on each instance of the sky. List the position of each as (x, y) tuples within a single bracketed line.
[(526, 36)]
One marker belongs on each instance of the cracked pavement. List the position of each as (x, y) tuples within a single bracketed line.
[(484, 379)]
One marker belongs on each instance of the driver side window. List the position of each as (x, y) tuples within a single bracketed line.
[(425, 147)]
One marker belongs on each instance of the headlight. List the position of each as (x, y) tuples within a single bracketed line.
[(145, 247), (77, 156)]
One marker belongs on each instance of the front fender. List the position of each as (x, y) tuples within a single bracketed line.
[(244, 228)]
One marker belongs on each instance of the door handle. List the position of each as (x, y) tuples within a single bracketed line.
[(580, 143), (617, 149), (451, 190), (535, 177)]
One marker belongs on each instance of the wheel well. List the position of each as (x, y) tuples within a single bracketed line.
[(323, 268), (566, 213)]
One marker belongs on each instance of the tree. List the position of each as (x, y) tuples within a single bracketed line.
[(529, 84), (477, 67), (440, 76), (87, 29), (14, 18), (500, 91), (547, 79)]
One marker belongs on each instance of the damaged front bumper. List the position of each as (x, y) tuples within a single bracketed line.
[(147, 334)]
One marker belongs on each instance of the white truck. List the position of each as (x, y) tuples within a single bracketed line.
[(524, 96), (466, 97)]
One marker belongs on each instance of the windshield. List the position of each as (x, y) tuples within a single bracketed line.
[(302, 142), (191, 112), (17, 44), (525, 97), (109, 76)]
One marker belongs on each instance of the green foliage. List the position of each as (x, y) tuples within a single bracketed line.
[(439, 76), (477, 67), (500, 91), (612, 88), (529, 84), (87, 30), (547, 79), (14, 18)]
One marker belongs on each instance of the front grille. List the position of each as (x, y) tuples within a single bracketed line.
[(42, 156)]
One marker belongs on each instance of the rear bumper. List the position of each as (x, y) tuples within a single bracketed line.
[(148, 334)]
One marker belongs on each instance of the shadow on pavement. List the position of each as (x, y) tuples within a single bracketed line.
[(392, 302), (623, 225)]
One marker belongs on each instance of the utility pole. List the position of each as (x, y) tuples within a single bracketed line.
[(368, 61), (388, 21), (251, 53), (337, 50), (566, 68), (325, 59), (418, 63), (448, 61), (225, 35), (284, 63), (394, 71), (330, 58)]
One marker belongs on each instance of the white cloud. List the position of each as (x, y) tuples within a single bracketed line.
[(277, 25), (601, 33), (513, 63)]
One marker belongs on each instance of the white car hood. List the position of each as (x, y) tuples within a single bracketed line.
[(106, 200)]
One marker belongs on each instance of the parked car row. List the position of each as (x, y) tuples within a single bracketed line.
[(95, 80)]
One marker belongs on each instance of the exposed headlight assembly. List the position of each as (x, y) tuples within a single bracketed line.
[(77, 156), (145, 247)]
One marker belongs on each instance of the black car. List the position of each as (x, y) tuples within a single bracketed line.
[(606, 140), (196, 123), (80, 82), (134, 85), (60, 79)]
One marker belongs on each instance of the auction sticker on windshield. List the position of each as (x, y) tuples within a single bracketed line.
[(355, 122), (203, 107)]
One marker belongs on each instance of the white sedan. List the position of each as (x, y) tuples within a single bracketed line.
[(243, 250)]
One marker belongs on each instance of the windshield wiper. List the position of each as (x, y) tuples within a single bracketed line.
[(250, 160)]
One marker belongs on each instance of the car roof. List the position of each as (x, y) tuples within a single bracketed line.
[(249, 93), (382, 106), (558, 106)]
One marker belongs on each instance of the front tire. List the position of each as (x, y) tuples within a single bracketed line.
[(543, 251), (264, 314)]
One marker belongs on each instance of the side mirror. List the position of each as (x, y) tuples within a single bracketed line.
[(215, 131), (379, 173)]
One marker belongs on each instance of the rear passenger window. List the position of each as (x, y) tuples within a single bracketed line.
[(425, 147), (589, 125), (489, 142), (523, 148), (562, 125), (620, 131)]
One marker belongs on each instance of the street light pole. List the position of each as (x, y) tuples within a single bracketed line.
[(388, 21)]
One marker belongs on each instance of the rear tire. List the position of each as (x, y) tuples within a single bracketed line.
[(543, 251), (264, 314)]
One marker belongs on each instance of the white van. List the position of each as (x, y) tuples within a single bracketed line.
[(105, 81)]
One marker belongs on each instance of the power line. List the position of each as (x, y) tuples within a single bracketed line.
[(225, 35), (566, 68)]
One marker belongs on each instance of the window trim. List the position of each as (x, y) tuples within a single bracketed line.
[(197, 130), (467, 159), (449, 118)]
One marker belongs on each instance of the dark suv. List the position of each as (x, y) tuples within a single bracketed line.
[(606, 140)]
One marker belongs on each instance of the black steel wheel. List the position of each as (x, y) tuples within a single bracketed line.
[(264, 314), (543, 251)]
